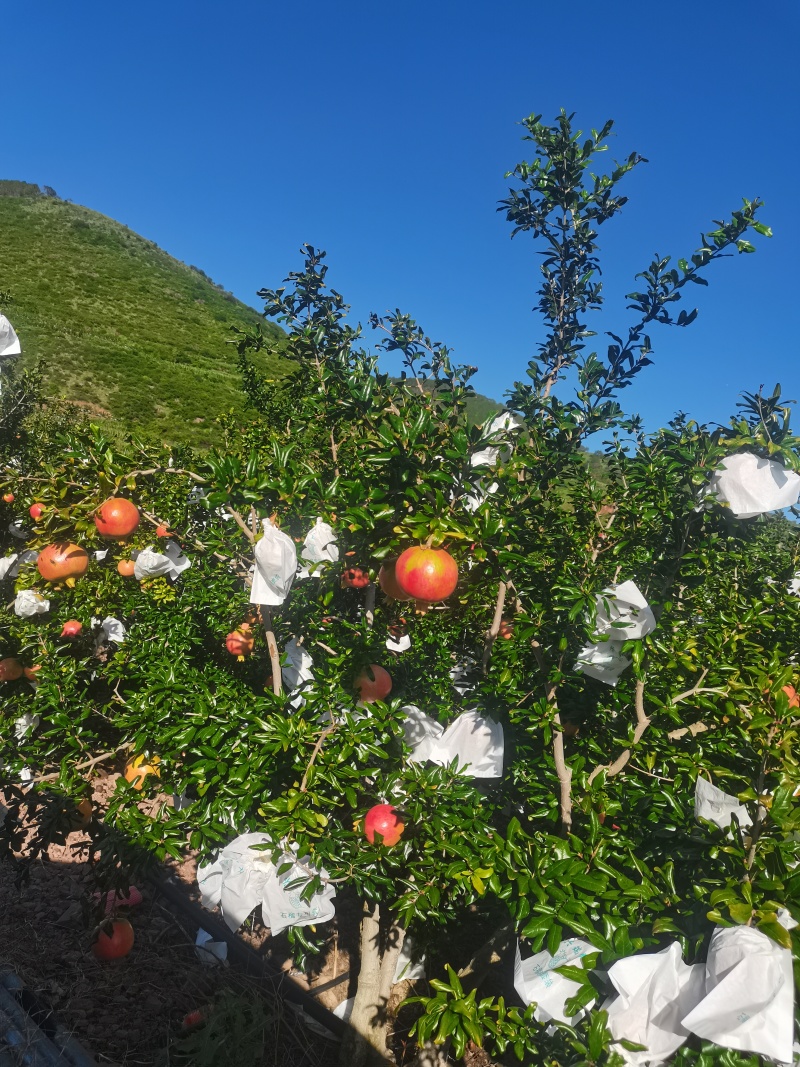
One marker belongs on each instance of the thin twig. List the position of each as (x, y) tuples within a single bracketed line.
[(170, 470), (85, 766), (320, 741), (335, 455), (649, 774), (695, 689)]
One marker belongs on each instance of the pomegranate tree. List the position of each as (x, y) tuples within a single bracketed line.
[(521, 798)]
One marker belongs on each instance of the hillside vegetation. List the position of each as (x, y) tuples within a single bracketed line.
[(121, 326)]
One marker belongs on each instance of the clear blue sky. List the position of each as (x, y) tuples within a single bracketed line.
[(229, 133)]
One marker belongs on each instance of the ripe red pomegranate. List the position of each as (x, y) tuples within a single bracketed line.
[(126, 568), (355, 578), (61, 561), (506, 630), (387, 580), (8, 497), (35, 511), (240, 641), (10, 669), (71, 628), (373, 683), (427, 574), (117, 943), (163, 531), (117, 517), (385, 820)]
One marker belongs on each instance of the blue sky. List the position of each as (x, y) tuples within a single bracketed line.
[(231, 133)]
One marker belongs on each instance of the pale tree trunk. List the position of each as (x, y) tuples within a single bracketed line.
[(364, 1045)]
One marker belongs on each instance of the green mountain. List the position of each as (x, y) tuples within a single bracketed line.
[(123, 328)]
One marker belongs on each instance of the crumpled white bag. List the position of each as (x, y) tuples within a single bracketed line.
[(319, 547), (749, 1001), (17, 529), (656, 990), (9, 342), (208, 951), (474, 740), (752, 486), (498, 429), (400, 644), (499, 432), (10, 565), (407, 970), (29, 603), (716, 806), (111, 629), (624, 604), (169, 563), (26, 724), (473, 500), (240, 879), (6, 565), (793, 585), (460, 675), (276, 566), (536, 982), (297, 671), (603, 661)]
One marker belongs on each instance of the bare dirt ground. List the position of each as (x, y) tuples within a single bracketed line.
[(126, 1012)]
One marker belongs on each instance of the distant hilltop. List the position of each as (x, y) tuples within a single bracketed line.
[(30, 189), (123, 329)]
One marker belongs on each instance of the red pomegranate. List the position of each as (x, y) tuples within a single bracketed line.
[(71, 628), (506, 630), (117, 943), (61, 561), (163, 531), (373, 683), (427, 574), (240, 641), (389, 584), (126, 567), (355, 578), (10, 669), (117, 517), (35, 511), (385, 820), (8, 497)]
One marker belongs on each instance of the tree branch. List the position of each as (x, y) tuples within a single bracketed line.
[(563, 770), (369, 604), (241, 523), (275, 660), (494, 629)]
